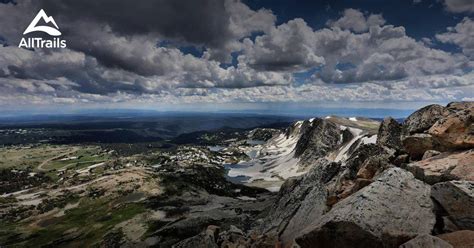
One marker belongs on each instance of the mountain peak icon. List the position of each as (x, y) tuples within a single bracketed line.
[(47, 29)]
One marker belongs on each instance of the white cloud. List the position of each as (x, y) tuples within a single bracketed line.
[(462, 35), (288, 47), (355, 20)]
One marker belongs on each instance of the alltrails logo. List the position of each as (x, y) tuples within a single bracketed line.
[(38, 42)]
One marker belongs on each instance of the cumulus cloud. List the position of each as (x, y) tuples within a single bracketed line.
[(355, 20), (382, 53), (461, 35), (116, 56), (288, 47)]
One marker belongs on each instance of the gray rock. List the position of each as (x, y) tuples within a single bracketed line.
[(426, 241), (430, 153), (457, 199), (422, 119), (390, 211), (389, 134), (299, 198)]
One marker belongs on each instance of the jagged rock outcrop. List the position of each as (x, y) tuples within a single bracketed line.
[(444, 167), (389, 134), (457, 199), (426, 241), (314, 204), (364, 163), (459, 239), (300, 200), (388, 212), (318, 137)]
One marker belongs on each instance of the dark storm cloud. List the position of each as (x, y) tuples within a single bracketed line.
[(203, 22), (108, 29), (125, 34)]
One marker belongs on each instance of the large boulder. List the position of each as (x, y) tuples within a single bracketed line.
[(459, 239), (393, 209), (422, 119), (389, 133), (455, 131), (426, 241), (444, 167), (417, 144), (457, 199)]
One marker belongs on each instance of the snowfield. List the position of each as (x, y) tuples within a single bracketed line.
[(274, 161)]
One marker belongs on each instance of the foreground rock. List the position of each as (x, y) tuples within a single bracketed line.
[(313, 205), (426, 241), (300, 201), (388, 212), (459, 239), (305, 199), (444, 167), (457, 199)]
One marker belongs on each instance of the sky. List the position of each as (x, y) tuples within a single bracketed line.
[(272, 55)]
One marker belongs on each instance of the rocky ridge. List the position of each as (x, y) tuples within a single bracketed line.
[(413, 187)]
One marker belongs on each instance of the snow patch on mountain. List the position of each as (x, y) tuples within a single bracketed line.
[(273, 161), (343, 151)]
